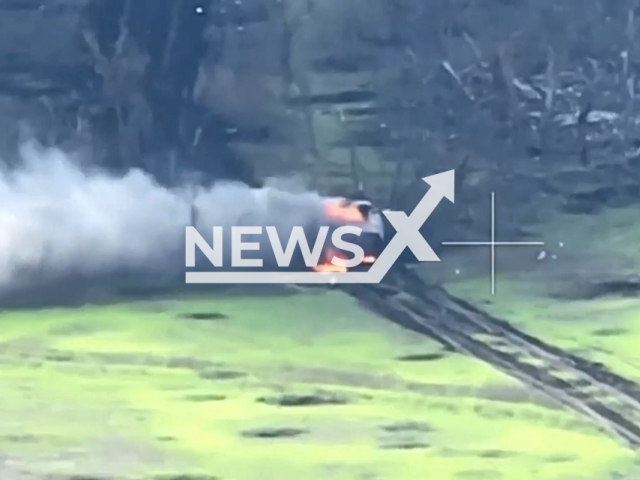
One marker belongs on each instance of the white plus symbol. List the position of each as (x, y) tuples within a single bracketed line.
[(493, 243)]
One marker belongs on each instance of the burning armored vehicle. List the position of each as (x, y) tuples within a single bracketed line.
[(341, 211)]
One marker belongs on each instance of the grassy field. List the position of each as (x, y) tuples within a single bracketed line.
[(583, 297), (312, 386), (307, 386)]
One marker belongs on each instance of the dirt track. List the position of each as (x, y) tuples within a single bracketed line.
[(610, 400)]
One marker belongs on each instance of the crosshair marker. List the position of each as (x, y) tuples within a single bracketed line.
[(492, 243)]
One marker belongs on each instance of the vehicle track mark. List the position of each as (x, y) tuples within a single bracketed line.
[(612, 401)]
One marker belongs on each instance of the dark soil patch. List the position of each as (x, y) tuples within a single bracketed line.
[(609, 332), (205, 398), (221, 375), (20, 438), (497, 454), (407, 427), (204, 316), (185, 477), (426, 357), (561, 458), (405, 446), (60, 356), (309, 400), (274, 432)]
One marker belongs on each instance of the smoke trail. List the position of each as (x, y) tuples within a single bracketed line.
[(58, 219)]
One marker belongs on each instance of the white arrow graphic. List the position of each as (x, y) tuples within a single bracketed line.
[(407, 235)]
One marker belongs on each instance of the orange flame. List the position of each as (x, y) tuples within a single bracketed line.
[(339, 212), (326, 266), (329, 268)]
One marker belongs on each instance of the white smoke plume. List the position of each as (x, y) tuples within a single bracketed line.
[(59, 219)]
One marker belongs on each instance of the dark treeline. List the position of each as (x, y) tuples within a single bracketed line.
[(498, 86), (147, 55)]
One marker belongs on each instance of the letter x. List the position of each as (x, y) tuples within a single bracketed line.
[(408, 230)]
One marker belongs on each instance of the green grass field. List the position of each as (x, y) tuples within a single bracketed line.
[(556, 299), (308, 386)]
